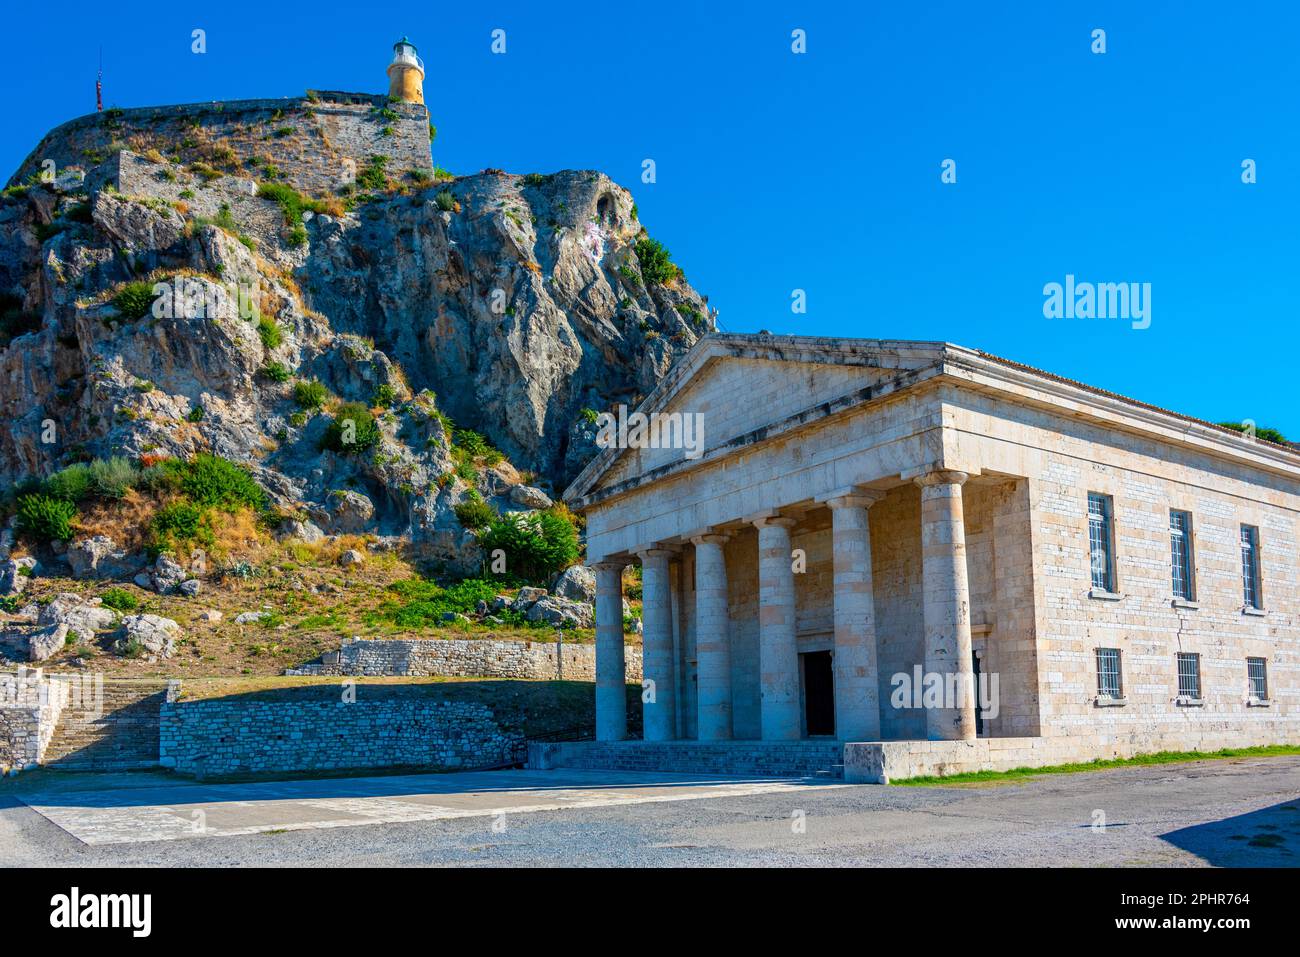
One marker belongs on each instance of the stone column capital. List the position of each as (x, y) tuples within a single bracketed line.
[(851, 498), (654, 553), (941, 477), (609, 565), (710, 538), (772, 520)]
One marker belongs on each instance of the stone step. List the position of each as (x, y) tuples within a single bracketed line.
[(820, 760), (122, 735)]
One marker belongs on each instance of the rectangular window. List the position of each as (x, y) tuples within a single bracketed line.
[(1100, 541), (1250, 566), (1180, 543), (1189, 675), (1109, 683), (1257, 672)]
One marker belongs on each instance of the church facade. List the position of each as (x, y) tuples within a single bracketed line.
[(939, 560)]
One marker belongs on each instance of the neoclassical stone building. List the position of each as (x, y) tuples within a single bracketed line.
[(862, 514)]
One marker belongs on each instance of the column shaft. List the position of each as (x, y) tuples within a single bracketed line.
[(660, 706), (946, 597), (611, 678), (857, 688), (712, 640), (778, 654)]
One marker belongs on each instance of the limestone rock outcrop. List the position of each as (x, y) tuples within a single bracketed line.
[(514, 306), (148, 634), (84, 617)]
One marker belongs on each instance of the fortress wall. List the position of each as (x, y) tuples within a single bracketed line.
[(311, 142)]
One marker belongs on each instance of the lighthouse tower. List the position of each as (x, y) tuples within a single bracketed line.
[(406, 73)]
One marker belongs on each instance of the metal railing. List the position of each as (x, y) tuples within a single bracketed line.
[(408, 59)]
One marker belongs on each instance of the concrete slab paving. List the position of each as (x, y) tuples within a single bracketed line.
[(179, 811)]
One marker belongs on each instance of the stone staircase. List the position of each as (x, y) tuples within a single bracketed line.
[(123, 736)]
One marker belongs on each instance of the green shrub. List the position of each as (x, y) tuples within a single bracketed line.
[(195, 414), (119, 599), (46, 519), (445, 201), (536, 546), (373, 176), (269, 332), (475, 446), (310, 394), (353, 430), (292, 203), (384, 396), (1268, 435), (133, 647), (113, 477), (134, 300), (176, 526), (210, 480), (296, 237), (656, 262), (164, 476), (475, 513), (426, 603), (69, 485), (276, 372)]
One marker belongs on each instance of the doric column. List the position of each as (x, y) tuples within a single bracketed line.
[(679, 641), (660, 711), (712, 640), (946, 598), (857, 688), (611, 678), (778, 654)]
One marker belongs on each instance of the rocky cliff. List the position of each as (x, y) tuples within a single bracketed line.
[(181, 280)]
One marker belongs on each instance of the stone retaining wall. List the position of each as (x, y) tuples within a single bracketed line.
[(457, 657), (30, 705), (879, 762), (240, 736)]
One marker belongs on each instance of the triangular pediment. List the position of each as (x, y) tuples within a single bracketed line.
[(739, 387)]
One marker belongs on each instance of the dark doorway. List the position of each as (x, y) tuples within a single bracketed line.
[(818, 693)]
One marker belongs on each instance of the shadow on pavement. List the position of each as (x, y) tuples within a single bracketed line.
[(1269, 837)]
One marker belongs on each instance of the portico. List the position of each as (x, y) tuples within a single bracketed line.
[(773, 565)]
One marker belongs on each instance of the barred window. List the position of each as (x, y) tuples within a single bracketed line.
[(1257, 672), (1189, 675), (1109, 682), (1250, 566), (1100, 541), (1180, 542)]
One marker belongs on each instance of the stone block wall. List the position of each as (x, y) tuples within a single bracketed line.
[(310, 139), (456, 657), (1065, 459), (896, 585), (30, 705), (240, 736)]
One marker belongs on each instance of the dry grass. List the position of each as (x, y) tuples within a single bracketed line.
[(312, 603), (124, 521)]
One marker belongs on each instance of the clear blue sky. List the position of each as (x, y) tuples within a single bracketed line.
[(821, 171)]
